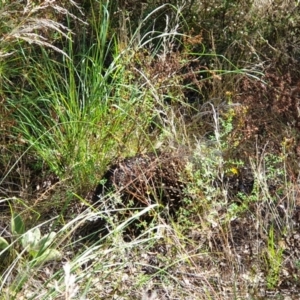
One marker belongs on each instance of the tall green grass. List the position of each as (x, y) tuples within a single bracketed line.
[(82, 111)]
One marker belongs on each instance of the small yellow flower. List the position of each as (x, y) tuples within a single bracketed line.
[(236, 143), (234, 171)]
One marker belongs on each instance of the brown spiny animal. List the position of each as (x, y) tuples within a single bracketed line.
[(143, 180)]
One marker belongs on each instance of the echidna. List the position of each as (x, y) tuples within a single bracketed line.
[(146, 178), (143, 180)]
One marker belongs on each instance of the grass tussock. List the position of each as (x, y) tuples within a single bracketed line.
[(149, 151)]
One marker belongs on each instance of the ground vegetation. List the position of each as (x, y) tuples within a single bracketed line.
[(149, 150)]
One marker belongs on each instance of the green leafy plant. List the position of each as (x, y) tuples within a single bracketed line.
[(17, 224), (38, 247), (274, 259), (28, 250)]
